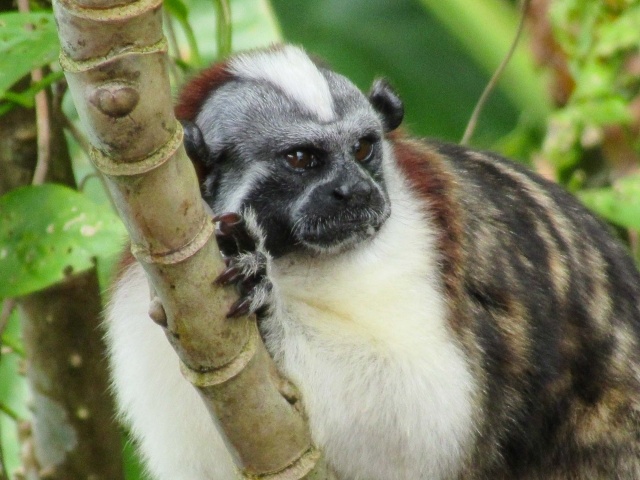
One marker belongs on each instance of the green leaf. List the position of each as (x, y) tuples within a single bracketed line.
[(26, 98), (48, 232), (253, 24), (601, 111), (178, 9), (619, 204), (596, 78), (620, 34), (27, 41)]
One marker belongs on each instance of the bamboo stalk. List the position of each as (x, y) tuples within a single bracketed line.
[(115, 61)]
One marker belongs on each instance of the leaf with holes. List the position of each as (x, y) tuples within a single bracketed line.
[(49, 232)]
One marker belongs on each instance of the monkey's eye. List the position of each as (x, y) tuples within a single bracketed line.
[(301, 159), (363, 150)]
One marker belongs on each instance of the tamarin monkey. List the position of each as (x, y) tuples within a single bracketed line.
[(445, 313)]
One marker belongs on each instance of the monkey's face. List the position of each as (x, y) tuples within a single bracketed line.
[(311, 172), (323, 191), (341, 197)]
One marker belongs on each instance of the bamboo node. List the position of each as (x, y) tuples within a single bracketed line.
[(69, 65), (144, 255), (111, 14), (296, 470), (110, 166), (226, 372)]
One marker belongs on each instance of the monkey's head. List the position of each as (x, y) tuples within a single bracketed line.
[(297, 143)]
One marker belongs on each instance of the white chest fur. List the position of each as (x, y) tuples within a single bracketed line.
[(364, 337)]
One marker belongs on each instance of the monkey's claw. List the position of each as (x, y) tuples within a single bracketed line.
[(232, 235), (230, 275), (229, 217), (246, 266), (240, 307)]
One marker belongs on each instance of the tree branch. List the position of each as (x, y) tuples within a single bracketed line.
[(114, 57), (495, 78), (42, 120)]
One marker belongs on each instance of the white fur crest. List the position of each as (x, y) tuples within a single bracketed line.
[(290, 69)]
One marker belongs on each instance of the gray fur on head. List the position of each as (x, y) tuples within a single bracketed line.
[(278, 102)]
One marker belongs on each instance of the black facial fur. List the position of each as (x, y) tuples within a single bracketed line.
[(194, 142), (329, 207)]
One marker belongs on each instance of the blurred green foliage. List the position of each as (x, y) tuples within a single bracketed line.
[(437, 77), (583, 131), (598, 39), (27, 41), (593, 139)]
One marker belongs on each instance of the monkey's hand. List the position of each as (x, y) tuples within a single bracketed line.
[(246, 263)]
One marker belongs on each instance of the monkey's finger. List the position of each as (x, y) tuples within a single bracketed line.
[(228, 217), (239, 308), (227, 228), (238, 232), (226, 244), (246, 286), (228, 276)]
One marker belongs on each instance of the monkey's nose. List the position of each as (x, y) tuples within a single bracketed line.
[(360, 191)]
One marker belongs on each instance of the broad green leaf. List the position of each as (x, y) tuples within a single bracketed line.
[(179, 10), (253, 24), (486, 29), (561, 140), (27, 41), (619, 204), (48, 232)]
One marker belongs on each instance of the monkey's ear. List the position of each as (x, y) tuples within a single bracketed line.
[(194, 142), (196, 148), (387, 103)]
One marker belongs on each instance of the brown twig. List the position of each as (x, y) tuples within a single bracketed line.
[(42, 120), (77, 135), (473, 120), (85, 146)]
